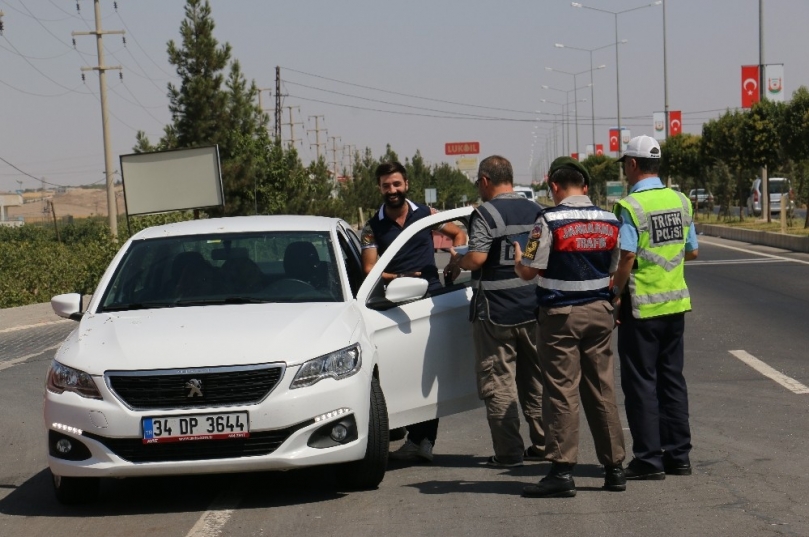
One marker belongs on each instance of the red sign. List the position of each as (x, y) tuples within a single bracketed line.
[(675, 122), (614, 140), (599, 149), (575, 156), (462, 148), (750, 89)]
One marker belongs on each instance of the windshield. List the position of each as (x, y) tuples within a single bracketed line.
[(777, 186), (233, 268)]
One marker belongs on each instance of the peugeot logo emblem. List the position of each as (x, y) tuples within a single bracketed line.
[(194, 387)]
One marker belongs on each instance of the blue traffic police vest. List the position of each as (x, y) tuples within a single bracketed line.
[(501, 296), (579, 260)]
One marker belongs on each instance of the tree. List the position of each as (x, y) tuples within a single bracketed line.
[(208, 109), (602, 169), (795, 140)]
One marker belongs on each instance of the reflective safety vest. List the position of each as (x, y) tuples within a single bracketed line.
[(501, 296), (578, 270), (657, 283)]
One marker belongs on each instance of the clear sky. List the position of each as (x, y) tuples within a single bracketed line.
[(456, 60)]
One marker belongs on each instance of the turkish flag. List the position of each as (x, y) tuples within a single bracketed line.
[(675, 122), (750, 82), (599, 149), (575, 156), (615, 139)]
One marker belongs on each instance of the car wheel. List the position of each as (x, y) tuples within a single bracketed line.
[(368, 472), (75, 490)]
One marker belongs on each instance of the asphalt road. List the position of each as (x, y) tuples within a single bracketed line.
[(750, 432)]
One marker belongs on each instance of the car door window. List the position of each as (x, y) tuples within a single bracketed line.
[(441, 256), (351, 259)]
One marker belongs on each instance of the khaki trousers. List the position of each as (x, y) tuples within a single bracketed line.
[(509, 379), (577, 361)]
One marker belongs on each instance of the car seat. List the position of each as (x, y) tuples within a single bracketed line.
[(301, 262)]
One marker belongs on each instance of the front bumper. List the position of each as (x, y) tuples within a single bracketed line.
[(280, 426)]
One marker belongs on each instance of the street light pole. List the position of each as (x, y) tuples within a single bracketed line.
[(617, 77), (576, 96)]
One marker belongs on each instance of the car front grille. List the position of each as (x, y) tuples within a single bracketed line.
[(257, 444), (195, 388)]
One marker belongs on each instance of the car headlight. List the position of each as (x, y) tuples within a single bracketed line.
[(66, 379), (337, 365)]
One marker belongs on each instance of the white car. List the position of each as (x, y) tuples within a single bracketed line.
[(251, 343)]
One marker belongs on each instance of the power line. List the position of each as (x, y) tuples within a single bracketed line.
[(408, 94), (481, 118), (384, 102)]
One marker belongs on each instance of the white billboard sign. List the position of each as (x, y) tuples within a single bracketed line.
[(659, 125), (172, 180), (774, 82)]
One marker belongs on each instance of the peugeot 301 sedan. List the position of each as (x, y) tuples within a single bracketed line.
[(251, 343)]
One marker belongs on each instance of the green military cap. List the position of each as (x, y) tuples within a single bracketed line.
[(571, 164)]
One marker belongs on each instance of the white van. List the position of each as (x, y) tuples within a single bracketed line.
[(526, 192)]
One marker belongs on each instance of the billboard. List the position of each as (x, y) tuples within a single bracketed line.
[(175, 180), (462, 148)]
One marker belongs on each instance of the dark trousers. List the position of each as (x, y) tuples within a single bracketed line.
[(419, 431), (656, 397)]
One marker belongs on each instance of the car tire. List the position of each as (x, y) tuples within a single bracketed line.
[(75, 490), (368, 472)]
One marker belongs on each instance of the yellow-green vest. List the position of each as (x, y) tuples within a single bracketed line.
[(657, 282)]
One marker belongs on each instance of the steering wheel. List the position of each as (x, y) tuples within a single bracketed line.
[(292, 286)]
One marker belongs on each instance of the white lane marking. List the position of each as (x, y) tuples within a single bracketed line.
[(11, 363), (26, 327), (782, 258), (212, 521), (789, 383), (733, 261)]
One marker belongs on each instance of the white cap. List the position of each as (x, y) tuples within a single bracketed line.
[(641, 147)]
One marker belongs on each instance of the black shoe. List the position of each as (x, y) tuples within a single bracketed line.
[(533, 454), (677, 468), (643, 471), (557, 484), (614, 478)]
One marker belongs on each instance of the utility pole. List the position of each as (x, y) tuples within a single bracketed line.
[(277, 104), (334, 155), (347, 152), (765, 183), (260, 101), (102, 69), (292, 124), (317, 130)]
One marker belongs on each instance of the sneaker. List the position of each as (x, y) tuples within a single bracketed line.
[(533, 454), (411, 452), (494, 463)]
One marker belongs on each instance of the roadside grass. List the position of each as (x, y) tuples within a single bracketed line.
[(794, 226)]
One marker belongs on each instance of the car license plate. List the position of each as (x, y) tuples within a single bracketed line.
[(195, 427)]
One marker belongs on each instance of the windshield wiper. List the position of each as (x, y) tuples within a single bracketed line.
[(216, 301), (136, 306)]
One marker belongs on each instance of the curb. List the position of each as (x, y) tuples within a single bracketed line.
[(795, 243)]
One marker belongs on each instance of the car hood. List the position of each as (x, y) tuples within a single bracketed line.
[(209, 336)]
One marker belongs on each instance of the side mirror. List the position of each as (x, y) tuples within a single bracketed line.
[(406, 289), (67, 306)]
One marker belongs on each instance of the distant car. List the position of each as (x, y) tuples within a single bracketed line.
[(248, 344), (777, 187), (675, 187), (526, 192), (701, 198)]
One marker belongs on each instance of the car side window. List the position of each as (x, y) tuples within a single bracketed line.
[(351, 259)]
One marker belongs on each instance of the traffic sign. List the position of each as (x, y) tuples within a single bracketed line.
[(462, 148)]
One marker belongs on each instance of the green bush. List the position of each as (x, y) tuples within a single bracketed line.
[(35, 266)]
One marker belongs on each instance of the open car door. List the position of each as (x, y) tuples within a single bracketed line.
[(423, 341)]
